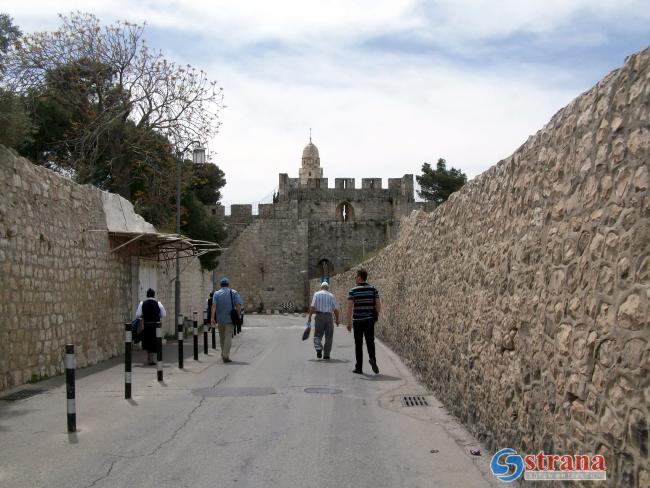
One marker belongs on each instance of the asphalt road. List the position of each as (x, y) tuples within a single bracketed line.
[(275, 417)]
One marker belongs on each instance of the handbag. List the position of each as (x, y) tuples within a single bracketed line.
[(136, 330), (305, 334), (235, 318)]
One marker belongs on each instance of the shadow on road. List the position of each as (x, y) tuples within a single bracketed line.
[(329, 361), (380, 377)]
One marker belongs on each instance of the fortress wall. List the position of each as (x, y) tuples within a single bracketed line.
[(523, 302), (60, 282), (265, 261), (344, 244)]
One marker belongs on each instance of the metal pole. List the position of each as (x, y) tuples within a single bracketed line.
[(69, 387), (177, 284), (196, 335), (205, 333), (159, 357), (179, 327), (127, 360)]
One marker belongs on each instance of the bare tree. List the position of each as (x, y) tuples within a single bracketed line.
[(119, 85)]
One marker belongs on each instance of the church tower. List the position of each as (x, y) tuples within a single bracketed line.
[(310, 163)]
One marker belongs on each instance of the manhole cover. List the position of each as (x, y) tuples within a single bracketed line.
[(224, 391), (414, 401), (323, 390), (21, 395)]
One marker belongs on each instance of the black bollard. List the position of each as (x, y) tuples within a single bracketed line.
[(69, 387), (205, 334), (196, 335), (180, 341), (127, 360), (159, 356)]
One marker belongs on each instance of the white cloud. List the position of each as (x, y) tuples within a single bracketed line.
[(373, 113)]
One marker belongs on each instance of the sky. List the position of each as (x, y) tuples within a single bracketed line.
[(385, 85)]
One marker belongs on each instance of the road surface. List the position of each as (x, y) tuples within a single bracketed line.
[(275, 417)]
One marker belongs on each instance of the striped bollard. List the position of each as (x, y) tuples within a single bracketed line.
[(205, 333), (69, 387), (128, 339), (196, 335), (159, 357), (179, 328)]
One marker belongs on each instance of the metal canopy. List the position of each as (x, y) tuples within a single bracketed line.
[(160, 247)]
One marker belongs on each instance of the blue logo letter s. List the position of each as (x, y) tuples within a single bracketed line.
[(500, 470)]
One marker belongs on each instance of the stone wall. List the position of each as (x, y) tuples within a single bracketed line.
[(267, 263), (523, 302), (60, 282)]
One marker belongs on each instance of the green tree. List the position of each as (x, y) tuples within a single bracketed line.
[(197, 223), (117, 90), (437, 184), (15, 124), (9, 36)]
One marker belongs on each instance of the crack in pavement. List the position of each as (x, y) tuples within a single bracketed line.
[(159, 446)]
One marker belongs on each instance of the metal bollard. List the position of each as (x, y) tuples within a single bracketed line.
[(127, 359), (205, 336), (179, 328), (206, 327), (196, 335), (69, 387), (159, 357)]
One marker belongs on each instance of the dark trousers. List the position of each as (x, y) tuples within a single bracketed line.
[(365, 328)]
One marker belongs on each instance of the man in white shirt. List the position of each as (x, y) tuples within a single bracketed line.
[(150, 311), (323, 304)]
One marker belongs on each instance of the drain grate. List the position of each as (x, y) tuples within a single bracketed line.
[(414, 401), (21, 395)]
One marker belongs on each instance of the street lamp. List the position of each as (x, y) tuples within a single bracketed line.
[(198, 156)]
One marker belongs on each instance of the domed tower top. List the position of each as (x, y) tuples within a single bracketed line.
[(310, 163)]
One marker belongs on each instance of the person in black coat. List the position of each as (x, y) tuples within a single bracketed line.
[(150, 311)]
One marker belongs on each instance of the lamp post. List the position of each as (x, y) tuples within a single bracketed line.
[(198, 157)]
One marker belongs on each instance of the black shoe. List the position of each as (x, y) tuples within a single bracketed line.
[(357, 371), (319, 354), (326, 357), (373, 363)]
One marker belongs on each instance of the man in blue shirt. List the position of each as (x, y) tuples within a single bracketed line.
[(363, 310), (223, 301)]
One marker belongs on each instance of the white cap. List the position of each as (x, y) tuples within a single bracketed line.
[(324, 284)]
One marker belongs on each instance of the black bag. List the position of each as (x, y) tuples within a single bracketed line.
[(136, 331), (235, 318)]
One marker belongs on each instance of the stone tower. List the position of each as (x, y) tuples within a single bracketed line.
[(311, 230), (310, 168)]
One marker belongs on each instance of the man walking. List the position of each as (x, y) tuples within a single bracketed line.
[(150, 311), (363, 310), (323, 304), (223, 301)]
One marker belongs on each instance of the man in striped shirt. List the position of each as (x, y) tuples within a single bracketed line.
[(363, 310), (323, 304)]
